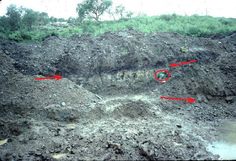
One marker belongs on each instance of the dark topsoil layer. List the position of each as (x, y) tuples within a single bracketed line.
[(107, 106)]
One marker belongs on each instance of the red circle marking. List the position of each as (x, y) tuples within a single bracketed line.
[(162, 80)]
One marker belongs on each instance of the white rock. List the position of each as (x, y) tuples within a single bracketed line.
[(63, 103), (2, 142)]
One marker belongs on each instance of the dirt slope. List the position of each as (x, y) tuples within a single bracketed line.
[(108, 106)]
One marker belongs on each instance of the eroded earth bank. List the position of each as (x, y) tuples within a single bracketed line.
[(108, 106)]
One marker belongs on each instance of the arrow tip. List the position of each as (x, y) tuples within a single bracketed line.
[(190, 100), (57, 77), (173, 65)]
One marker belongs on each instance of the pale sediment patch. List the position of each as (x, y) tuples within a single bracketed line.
[(226, 146), (225, 150), (2, 142), (71, 126), (59, 155)]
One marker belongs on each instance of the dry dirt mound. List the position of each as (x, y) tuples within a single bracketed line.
[(22, 97), (108, 106)]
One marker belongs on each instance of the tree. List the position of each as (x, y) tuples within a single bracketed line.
[(29, 18), (43, 18), (119, 12), (129, 14), (53, 19), (4, 24), (22, 18), (92, 9), (72, 21), (14, 17)]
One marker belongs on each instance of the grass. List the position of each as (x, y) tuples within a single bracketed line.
[(186, 25)]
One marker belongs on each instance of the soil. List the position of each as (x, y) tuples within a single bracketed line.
[(108, 106)]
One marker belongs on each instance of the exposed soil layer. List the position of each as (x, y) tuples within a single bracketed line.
[(108, 106)]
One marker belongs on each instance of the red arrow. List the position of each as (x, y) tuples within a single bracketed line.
[(182, 63), (56, 77), (188, 100)]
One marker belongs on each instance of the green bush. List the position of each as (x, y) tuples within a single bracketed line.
[(187, 25), (16, 36), (89, 27), (3, 36), (168, 17), (195, 31)]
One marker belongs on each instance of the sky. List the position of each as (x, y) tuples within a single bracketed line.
[(67, 8)]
